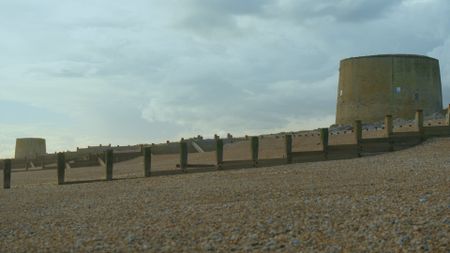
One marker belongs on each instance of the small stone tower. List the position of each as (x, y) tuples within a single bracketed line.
[(30, 148)]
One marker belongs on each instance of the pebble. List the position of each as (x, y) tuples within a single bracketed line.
[(295, 242), (373, 204), (208, 246)]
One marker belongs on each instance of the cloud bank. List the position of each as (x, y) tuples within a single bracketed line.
[(90, 72)]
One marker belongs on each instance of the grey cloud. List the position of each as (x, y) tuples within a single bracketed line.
[(153, 70), (341, 10), (218, 17), (230, 7)]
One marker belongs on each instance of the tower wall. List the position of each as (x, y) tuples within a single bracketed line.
[(30, 148), (371, 87)]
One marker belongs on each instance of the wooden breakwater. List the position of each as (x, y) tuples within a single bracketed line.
[(390, 141)]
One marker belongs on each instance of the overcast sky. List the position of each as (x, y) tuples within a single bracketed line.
[(87, 72)]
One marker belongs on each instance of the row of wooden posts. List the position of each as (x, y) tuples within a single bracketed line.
[(147, 151), (254, 145)]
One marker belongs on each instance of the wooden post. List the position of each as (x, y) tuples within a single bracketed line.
[(219, 153), (324, 141), (357, 130), (61, 167), (109, 161), (6, 173), (419, 121), (183, 155), (288, 142), (254, 149), (147, 161), (388, 126), (448, 115)]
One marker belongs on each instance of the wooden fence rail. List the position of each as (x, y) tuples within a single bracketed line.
[(109, 163), (288, 148), (147, 152), (7, 174), (61, 168), (219, 153)]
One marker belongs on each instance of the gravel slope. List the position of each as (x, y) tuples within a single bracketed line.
[(389, 203)]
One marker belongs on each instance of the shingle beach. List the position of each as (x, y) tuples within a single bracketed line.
[(395, 202)]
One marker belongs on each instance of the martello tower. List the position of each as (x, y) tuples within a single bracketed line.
[(371, 87)]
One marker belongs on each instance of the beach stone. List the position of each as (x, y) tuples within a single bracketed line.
[(369, 204), (295, 242)]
